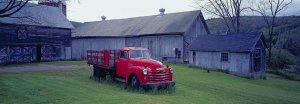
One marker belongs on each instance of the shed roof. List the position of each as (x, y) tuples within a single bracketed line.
[(147, 25), (234, 42), (38, 15)]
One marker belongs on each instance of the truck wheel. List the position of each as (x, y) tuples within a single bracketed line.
[(112, 75), (135, 83), (102, 73), (96, 72)]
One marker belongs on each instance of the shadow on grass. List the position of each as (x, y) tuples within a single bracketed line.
[(124, 87)]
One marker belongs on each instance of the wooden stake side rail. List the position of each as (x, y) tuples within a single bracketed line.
[(102, 58)]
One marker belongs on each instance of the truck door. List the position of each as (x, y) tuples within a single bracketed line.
[(122, 64)]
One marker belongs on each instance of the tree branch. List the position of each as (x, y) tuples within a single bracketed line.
[(12, 7)]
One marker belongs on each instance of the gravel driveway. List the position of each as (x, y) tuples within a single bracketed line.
[(39, 67)]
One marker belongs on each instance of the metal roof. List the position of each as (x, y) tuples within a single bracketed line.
[(134, 48), (52, 1), (147, 25), (38, 15), (234, 42)]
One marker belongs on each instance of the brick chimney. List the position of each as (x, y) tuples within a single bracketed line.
[(61, 4)]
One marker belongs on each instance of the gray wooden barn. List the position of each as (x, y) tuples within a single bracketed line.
[(167, 36), (36, 33), (242, 54)]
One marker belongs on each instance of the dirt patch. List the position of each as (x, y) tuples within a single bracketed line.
[(39, 67)]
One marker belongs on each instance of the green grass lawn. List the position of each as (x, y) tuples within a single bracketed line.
[(193, 86)]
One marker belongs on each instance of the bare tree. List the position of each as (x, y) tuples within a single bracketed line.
[(228, 10), (10, 7), (267, 9)]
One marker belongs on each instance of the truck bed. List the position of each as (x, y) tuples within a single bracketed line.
[(102, 58)]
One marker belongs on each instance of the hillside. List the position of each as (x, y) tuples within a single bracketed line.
[(256, 23)]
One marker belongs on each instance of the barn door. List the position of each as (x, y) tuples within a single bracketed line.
[(4, 52), (39, 53), (194, 58), (48, 53), (21, 54), (16, 54), (152, 43), (68, 53), (257, 60)]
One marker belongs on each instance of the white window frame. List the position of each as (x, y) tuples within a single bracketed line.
[(222, 57)]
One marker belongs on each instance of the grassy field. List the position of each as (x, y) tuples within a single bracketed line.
[(193, 86)]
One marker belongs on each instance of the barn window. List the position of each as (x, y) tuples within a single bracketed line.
[(224, 56), (22, 33), (257, 53)]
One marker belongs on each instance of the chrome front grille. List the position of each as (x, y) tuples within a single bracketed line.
[(158, 76)]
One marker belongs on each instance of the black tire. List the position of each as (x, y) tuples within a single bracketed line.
[(134, 82), (112, 75), (102, 73), (96, 72)]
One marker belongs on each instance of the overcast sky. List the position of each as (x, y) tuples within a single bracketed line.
[(92, 10)]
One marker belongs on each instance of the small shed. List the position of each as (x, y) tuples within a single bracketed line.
[(242, 54)]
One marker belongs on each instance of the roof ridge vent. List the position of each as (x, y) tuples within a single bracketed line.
[(103, 18), (162, 11)]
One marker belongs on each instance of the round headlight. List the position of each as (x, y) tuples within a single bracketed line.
[(171, 70), (145, 71)]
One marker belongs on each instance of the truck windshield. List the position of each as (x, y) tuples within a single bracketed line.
[(139, 54)]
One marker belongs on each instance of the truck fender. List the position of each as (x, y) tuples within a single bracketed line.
[(134, 70)]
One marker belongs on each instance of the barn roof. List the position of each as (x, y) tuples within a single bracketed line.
[(234, 42), (157, 24), (38, 15)]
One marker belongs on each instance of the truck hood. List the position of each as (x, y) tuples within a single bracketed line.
[(150, 63)]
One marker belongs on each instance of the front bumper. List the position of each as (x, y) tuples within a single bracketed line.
[(159, 84)]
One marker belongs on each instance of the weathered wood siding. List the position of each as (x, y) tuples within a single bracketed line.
[(34, 35), (263, 65), (168, 43), (196, 29), (239, 63), (133, 42), (159, 46), (81, 45), (263, 55), (18, 43)]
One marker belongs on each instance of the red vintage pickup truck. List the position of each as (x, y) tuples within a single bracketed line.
[(131, 65)]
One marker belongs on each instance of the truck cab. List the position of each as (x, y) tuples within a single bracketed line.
[(135, 67)]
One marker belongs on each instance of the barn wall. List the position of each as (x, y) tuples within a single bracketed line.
[(261, 73), (133, 42), (239, 63), (18, 43), (81, 45), (34, 35), (263, 54), (196, 29), (168, 43), (159, 46)]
